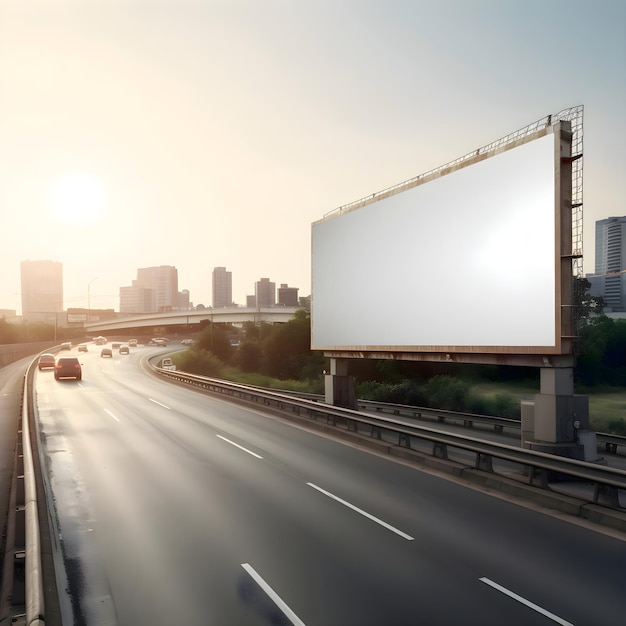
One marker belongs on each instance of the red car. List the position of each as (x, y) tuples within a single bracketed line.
[(46, 361), (68, 367)]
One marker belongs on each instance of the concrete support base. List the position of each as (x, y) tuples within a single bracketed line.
[(339, 386), (557, 420)]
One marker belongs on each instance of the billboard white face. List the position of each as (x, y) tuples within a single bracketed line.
[(464, 262)]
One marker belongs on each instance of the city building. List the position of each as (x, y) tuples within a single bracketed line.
[(183, 301), (288, 296), (164, 280), (222, 287), (265, 293), (609, 279), (42, 289), (136, 299)]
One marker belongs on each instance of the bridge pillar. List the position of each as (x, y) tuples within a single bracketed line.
[(561, 418), (339, 386)]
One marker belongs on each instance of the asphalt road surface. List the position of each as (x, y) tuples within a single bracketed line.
[(174, 507)]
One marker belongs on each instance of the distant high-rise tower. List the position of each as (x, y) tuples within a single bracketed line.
[(288, 296), (136, 299), (42, 287), (609, 280), (265, 292), (164, 280), (222, 287)]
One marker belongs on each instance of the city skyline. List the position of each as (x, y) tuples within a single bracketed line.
[(138, 282), (201, 133)]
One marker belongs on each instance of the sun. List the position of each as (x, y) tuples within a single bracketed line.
[(77, 199)]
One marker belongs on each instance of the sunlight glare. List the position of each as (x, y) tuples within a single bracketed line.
[(77, 199)]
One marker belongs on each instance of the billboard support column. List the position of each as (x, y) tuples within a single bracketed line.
[(560, 416), (339, 386)]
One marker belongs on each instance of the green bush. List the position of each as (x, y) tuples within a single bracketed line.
[(198, 362), (617, 426), (506, 406), (447, 392)]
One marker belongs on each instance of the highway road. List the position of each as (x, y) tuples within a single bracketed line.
[(174, 507)]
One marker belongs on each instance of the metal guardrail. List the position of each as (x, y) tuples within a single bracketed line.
[(613, 444), (606, 481), (610, 441), (28, 562)]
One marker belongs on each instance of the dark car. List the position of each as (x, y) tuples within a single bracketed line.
[(68, 367), (106, 352), (46, 360), (83, 347), (124, 350)]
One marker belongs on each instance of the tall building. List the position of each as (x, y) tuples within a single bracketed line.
[(136, 299), (183, 300), (609, 280), (222, 287), (42, 287), (164, 280), (287, 296), (265, 292)]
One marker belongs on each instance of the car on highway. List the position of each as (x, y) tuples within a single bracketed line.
[(158, 341), (68, 367), (132, 343), (187, 342), (124, 350), (82, 347), (106, 352), (115, 345), (167, 364), (46, 361), (66, 345)]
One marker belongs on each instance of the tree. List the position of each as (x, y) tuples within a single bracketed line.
[(288, 347), (215, 339), (249, 356), (588, 306), (603, 352)]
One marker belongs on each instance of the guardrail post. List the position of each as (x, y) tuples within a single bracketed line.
[(606, 494), (440, 450), (20, 495), (375, 432), (404, 440), (18, 597), (537, 476), (484, 462), (20, 526)]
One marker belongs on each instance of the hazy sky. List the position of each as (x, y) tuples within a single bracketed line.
[(214, 132)]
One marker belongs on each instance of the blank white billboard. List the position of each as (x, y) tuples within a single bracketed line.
[(466, 262)]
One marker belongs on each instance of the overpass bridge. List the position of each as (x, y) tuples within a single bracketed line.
[(227, 315)]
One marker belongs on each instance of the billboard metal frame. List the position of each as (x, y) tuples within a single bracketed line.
[(567, 125)]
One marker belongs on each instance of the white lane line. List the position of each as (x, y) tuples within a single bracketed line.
[(232, 443), (276, 599), (362, 512), (504, 590), (111, 414), (156, 402)]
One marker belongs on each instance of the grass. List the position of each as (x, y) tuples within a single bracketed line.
[(607, 406)]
